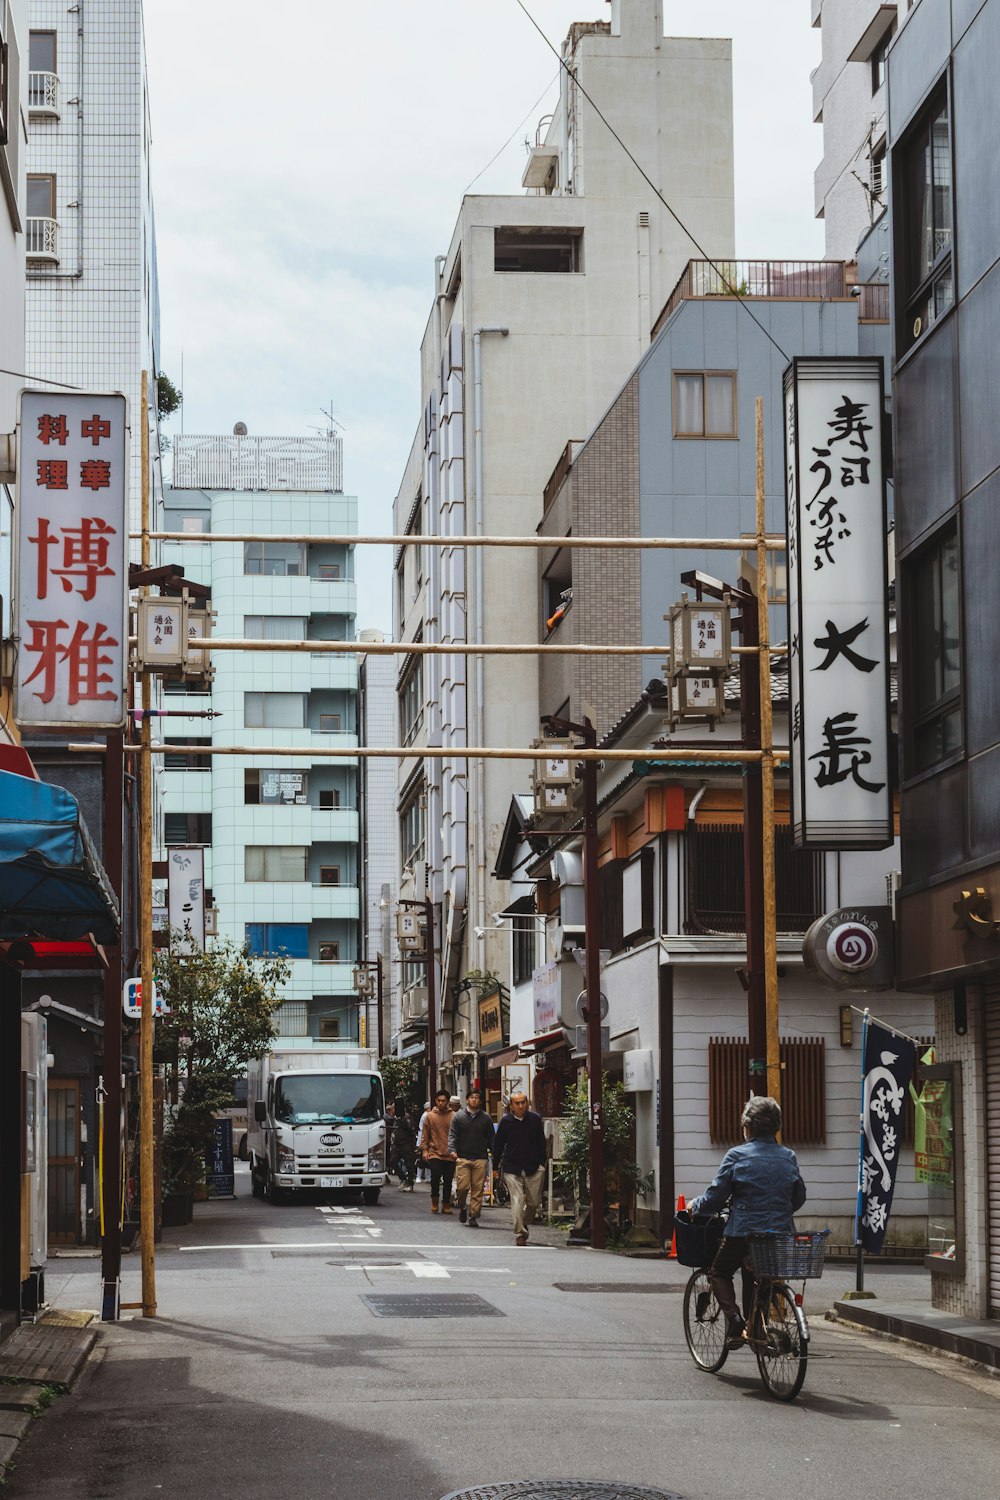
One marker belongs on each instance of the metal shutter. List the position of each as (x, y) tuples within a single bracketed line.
[(991, 1006)]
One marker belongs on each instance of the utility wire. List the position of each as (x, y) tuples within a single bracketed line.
[(527, 116), (42, 380), (649, 181)]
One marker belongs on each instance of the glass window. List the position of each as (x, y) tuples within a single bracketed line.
[(329, 1099), (274, 710), (329, 953), (878, 59), (187, 828), (274, 627), (329, 800), (275, 559), (41, 201), (275, 862), (537, 250), (329, 723), (411, 826), (269, 939), (42, 51), (188, 762), (926, 221), (411, 699), (935, 622), (704, 404), (329, 874)]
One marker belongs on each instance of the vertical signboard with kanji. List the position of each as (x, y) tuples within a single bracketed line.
[(71, 545), (186, 899), (837, 604)]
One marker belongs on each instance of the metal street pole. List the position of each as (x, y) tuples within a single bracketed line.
[(770, 936), (380, 1018), (431, 998), (592, 972), (111, 1144), (147, 1207)]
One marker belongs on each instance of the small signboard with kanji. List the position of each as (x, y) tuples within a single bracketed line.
[(71, 548)]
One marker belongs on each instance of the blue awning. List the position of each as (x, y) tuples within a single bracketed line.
[(51, 881)]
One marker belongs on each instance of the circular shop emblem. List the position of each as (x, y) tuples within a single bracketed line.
[(851, 947), (331, 1140)]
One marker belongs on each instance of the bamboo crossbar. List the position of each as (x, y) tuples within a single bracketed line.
[(692, 753), (416, 539), (430, 648)]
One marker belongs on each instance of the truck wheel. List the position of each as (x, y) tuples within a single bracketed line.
[(370, 1195), (271, 1193)]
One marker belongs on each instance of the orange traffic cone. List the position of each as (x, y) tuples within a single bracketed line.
[(672, 1252)]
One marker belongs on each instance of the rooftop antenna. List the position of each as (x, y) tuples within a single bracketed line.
[(331, 420)]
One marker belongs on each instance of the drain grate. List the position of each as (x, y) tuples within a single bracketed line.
[(560, 1489), (430, 1305), (618, 1286)]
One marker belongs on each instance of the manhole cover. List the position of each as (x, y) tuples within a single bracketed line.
[(618, 1286), (560, 1489), (430, 1305)]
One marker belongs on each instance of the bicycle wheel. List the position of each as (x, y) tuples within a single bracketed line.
[(704, 1324), (782, 1343)]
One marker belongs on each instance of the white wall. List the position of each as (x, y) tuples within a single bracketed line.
[(851, 113)]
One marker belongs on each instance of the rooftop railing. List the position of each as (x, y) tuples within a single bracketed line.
[(789, 280), (240, 462)]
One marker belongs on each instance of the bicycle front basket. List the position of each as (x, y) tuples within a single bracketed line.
[(790, 1257), (698, 1237)]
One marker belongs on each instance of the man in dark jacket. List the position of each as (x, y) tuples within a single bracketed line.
[(471, 1140), (522, 1147)]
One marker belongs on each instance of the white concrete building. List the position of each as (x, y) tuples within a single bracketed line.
[(849, 101), (542, 304), (92, 315), (281, 835), (14, 111)]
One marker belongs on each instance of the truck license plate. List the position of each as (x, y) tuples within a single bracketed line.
[(331, 1182)]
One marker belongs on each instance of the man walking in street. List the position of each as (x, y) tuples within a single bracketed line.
[(437, 1155), (422, 1172), (521, 1148), (470, 1140)]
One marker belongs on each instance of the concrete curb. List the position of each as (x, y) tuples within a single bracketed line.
[(19, 1406)]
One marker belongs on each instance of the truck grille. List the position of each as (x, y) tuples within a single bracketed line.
[(328, 1162)]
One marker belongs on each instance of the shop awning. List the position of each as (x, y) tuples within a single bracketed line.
[(548, 1041), (51, 881), (498, 1060)]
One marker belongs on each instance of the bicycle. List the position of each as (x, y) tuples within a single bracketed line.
[(776, 1326)]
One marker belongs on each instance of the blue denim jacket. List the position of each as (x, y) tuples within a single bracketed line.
[(760, 1180)]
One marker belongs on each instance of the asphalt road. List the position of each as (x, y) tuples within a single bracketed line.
[(266, 1374)]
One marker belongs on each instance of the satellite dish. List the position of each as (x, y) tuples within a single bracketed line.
[(240, 430)]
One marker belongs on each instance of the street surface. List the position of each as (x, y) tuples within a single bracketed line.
[(265, 1374)]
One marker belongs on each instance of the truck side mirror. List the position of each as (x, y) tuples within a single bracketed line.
[(259, 1111)]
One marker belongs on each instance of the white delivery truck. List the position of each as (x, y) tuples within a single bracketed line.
[(316, 1120)]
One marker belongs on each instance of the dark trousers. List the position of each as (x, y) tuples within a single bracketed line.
[(728, 1259), (442, 1173)]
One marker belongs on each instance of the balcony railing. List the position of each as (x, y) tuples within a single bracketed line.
[(42, 239), (798, 280), (43, 94), (240, 462)]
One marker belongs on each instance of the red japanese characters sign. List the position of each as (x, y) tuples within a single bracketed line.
[(71, 548)]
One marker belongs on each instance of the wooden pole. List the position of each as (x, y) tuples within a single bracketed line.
[(147, 1206), (767, 779)]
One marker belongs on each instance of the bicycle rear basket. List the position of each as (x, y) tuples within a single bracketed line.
[(698, 1238), (793, 1257)]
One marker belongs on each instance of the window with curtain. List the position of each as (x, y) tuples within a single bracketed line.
[(275, 861), (705, 403), (271, 939), (274, 710), (274, 627), (274, 559)]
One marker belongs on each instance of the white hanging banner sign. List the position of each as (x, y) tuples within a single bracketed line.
[(71, 546), (186, 898), (838, 628)]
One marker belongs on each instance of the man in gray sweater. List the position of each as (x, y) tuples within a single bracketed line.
[(471, 1140)]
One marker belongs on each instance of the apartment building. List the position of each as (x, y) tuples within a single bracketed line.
[(849, 101), (541, 305), (281, 836)]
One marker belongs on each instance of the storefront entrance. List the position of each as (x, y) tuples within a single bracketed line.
[(64, 1161), (991, 1016)]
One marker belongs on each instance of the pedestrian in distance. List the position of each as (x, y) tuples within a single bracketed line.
[(422, 1172), (521, 1148), (404, 1148), (760, 1181), (470, 1139), (434, 1145)]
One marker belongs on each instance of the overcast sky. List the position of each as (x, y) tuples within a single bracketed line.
[(308, 164)]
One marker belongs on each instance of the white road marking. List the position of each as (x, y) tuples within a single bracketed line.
[(332, 1244), (426, 1268)]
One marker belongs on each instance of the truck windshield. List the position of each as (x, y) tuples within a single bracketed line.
[(327, 1099)]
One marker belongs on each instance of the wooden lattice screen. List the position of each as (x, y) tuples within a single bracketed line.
[(803, 1089)]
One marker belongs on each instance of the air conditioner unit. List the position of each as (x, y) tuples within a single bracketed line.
[(415, 1003)]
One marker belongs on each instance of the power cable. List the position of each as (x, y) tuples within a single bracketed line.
[(527, 116), (731, 290), (42, 380)]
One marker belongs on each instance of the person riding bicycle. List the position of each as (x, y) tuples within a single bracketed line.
[(760, 1181)]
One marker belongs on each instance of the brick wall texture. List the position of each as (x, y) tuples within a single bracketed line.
[(600, 497)]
